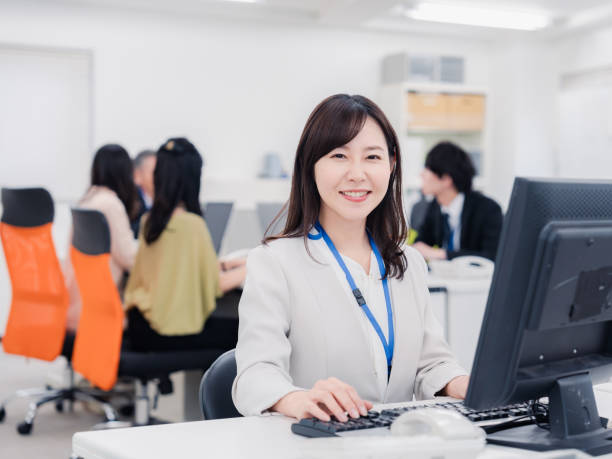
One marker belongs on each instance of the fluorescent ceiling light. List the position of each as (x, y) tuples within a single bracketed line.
[(479, 16)]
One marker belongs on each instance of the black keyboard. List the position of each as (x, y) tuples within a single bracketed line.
[(311, 427)]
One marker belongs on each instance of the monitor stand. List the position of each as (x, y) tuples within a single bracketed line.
[(574, 422)]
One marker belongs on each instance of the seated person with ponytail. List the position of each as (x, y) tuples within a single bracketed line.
[(176, 277)]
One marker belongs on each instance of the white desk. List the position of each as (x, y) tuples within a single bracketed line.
[(266, 437)]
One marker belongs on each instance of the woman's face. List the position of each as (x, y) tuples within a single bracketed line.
[(353, 179)]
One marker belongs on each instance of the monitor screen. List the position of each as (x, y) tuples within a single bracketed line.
[(216, 215), (267, 212), (547, 328)]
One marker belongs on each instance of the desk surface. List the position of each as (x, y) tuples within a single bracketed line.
[(266, 437)]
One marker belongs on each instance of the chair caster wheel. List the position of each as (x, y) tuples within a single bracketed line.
[(2, 414), (24, 428), (59, 407)]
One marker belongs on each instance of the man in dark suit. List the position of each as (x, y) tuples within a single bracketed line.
[(144, 165), (459, 221)]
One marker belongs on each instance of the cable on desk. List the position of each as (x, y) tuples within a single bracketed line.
[(538, 415)]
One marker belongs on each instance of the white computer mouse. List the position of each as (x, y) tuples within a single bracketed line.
[(439, 422)]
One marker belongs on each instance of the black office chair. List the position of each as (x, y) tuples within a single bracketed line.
[(418, 213), (217, 215), (267, 212), (216, 388)]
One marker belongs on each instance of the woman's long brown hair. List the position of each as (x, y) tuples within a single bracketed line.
[(332, 124)]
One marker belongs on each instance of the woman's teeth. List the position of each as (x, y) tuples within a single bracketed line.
[(355, 194)]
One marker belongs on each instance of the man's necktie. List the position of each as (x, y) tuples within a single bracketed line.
[(448, 234)]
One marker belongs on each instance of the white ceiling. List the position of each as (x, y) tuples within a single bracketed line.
[(384, 15)]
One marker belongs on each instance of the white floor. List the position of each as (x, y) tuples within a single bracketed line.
[(51, 436)]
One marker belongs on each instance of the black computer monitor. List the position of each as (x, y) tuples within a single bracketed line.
[(267, 212), (217, 215), (547, 329)]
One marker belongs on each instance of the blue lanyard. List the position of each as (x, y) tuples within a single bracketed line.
[(359, 297)]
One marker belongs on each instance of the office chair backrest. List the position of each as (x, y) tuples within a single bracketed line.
[(97, 345), (36, 323), (418, 213), (266, 212), (216, 215), (216, 388)]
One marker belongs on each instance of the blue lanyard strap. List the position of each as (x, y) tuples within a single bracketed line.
[(359, 297)]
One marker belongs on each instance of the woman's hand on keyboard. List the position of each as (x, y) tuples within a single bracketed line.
[(328, 396), (457, 387)]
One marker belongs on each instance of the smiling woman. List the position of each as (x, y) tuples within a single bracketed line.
[(335, 311), (348, 135)]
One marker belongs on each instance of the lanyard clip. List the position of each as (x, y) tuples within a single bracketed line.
[(359, 297)]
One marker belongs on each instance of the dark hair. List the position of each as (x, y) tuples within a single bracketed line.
[(177, 180), (332, 124), (112, 168), (450, 159), (142, 156)]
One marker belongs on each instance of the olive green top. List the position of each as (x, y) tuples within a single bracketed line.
[(175, 280)]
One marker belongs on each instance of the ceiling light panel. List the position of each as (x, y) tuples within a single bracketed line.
[(478, 16)]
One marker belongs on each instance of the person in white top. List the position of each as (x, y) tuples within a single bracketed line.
[(113, 193), (335, 312)]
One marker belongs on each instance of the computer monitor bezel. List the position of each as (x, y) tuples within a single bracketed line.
[(496, 363), (497, 376)]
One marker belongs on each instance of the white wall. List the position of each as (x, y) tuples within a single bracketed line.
[(236, 89), (539, 130), (585, 74), (503, 122), (590, 49), (524, 112), (529, 133), (586, 132), (532, 133)]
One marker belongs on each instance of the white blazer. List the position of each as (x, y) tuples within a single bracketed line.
[(297, 327)]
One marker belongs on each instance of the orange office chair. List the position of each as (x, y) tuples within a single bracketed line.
[(36, 324), (99, 353), (37, 319), (97, 345)]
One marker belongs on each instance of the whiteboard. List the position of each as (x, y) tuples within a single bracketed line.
[(585, 132), (46, 119)]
